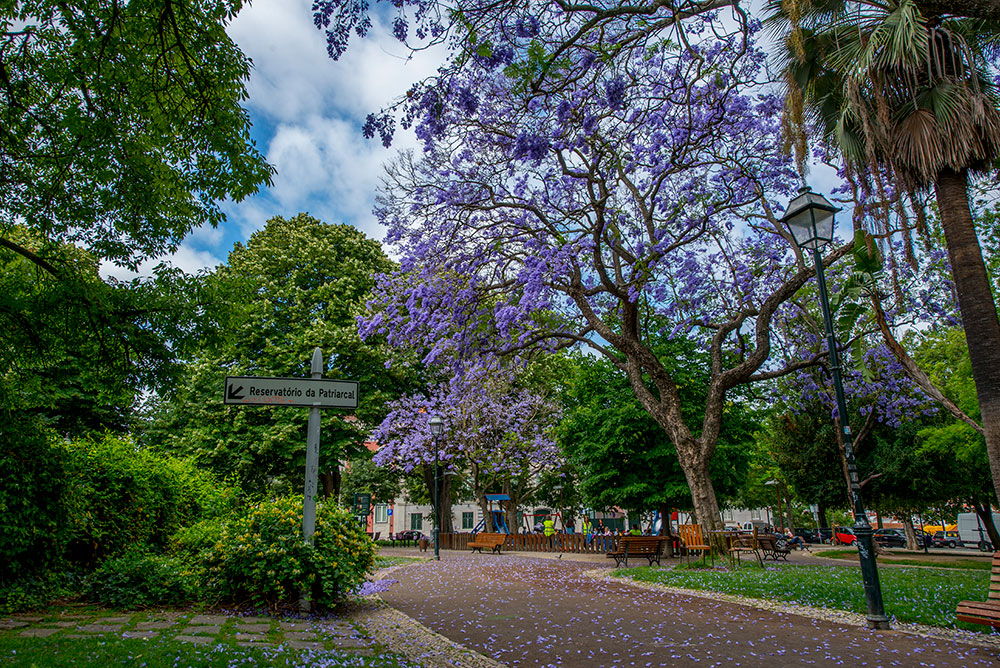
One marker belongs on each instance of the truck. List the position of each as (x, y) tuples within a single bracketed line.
[(972, 532)]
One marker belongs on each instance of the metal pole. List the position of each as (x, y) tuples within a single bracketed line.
[(437, 505), (862, 528), (312, 471), (312, 458)]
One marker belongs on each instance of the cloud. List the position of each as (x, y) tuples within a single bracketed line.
[(186, 257)]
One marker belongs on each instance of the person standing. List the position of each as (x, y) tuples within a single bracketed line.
[(549, 529)]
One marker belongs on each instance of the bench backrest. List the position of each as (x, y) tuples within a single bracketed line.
[(641, 543), (995, 578), (691, 534)]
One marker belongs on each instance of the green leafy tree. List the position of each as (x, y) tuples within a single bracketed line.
[(120, 123), (363, 476), (76, 351), (619, 453), (295, 285)]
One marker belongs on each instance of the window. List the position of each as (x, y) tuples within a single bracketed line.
[(381, 513), (755, 514), (468, 520), (416, 521)]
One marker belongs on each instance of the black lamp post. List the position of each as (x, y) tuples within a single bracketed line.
[(810, 218), (437, 428)]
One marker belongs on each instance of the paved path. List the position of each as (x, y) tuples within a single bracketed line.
[(525, 611), (324, 635)]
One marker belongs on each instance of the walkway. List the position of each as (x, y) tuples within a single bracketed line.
[(526, 611)]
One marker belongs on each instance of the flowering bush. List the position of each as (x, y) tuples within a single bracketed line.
[(260, 557)]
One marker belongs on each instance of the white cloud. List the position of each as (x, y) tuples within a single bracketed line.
[(186, 258)]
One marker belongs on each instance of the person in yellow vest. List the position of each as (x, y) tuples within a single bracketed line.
[(586, 528), (549, 529)]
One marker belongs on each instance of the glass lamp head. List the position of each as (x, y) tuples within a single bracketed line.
[(810, 219), (437, 425)]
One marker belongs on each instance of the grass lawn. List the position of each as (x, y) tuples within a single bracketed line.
[(112, 650), (910, 559), (923, 595)]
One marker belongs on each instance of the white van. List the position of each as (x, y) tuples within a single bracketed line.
[(972, 532)]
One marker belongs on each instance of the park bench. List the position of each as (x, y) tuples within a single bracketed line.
[(494, 541), (650, 547), (985, 612), (772, 549)]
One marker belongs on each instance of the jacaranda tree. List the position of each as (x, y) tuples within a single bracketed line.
[(636, 201), (495, 433)]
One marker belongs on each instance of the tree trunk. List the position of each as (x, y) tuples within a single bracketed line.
[(986, 518), (447, 516), (911, 534), (706, 507), (975, 301)]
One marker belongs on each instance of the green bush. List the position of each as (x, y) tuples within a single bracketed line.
[(122, 497), (34, 519), (137, 579), (260, 557)]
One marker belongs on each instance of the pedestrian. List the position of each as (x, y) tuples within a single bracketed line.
[(549, 529), (635, 531)]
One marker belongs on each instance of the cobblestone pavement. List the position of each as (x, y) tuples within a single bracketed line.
[(343, 636), (542, 612)]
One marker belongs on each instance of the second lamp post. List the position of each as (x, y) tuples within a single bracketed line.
[(437, 428), (810, 218)]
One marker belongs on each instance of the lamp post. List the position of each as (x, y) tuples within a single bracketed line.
[(437, 428), (777, 494), (810, 218)]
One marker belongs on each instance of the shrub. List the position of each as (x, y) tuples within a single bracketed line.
[(121, 497), (137, 579), (260, 557), (34, 519)]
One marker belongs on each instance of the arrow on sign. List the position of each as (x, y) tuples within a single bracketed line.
[(235, 393)]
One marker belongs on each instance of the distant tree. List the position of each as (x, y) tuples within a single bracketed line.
[(365, 477), (295, 285), (496, 436)]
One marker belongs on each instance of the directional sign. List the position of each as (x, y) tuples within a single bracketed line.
[(266, 391)]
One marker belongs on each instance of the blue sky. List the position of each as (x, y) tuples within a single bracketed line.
[(307, 112)]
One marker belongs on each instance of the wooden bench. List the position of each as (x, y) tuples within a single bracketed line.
[(985, 612), (650, 547), (494, 541), (771, 549), (745, 543)]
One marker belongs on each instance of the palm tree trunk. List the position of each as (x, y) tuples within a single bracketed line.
[(975, 301)]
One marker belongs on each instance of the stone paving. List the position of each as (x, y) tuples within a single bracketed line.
[(333, 635)]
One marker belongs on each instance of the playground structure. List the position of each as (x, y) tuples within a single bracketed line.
[(499, 515)]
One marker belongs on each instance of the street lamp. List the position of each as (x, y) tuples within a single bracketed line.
[(810, 218), (437, 428)]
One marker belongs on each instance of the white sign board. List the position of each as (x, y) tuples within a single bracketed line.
[(267, 391)]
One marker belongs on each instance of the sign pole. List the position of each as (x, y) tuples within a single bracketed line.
[(312, 470)]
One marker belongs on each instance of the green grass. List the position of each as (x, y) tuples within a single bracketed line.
[(112, 650), (964, 563), (387, 562), (923, 595)]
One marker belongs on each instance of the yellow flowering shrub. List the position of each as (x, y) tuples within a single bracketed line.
[(261, 559)]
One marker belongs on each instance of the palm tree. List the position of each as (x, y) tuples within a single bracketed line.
[(902, 91)]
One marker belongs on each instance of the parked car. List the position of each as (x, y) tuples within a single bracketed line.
[(890, 537), (807, 535), (947, 539), (844, 536)]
